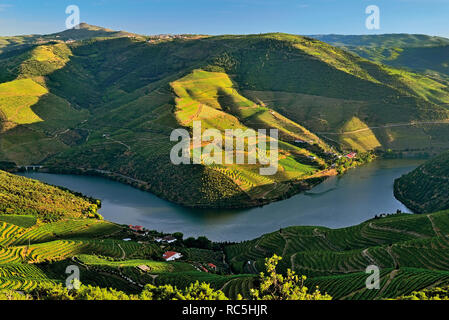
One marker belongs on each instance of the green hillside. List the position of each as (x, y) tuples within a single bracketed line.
[(83, 32), (36, 251), (22, 196), (425, 188), (107, 104), (421, 53), (410, 251)]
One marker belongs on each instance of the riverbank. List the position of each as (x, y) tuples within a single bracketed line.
[(339, 201), (295, 186)]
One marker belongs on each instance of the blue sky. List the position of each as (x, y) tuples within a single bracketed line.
[(228, 16)]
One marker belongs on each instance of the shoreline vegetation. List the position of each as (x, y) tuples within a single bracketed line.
[(296, 186)]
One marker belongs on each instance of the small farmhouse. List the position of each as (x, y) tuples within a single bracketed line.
[(171, 256)]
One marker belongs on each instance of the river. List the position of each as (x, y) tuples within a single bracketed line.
[(338, 202)]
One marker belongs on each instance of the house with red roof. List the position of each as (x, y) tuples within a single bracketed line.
[(212, 266), (171, 256), (351, 155), (136, 228)]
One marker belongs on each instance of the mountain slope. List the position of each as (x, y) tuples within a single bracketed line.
[(22, 196), (410, 250), (83, 32), (118, 99), (425, 188), (421, 53)]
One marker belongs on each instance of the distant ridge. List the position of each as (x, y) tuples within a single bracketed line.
[(416, 52), (87, 31), (399, 40)]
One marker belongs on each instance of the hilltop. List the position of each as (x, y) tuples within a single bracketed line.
[(86, 31), (425, 188), (108, 105), (83, 32)]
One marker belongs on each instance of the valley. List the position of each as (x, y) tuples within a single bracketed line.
[(109, 101), (37, 246), (87, 177)]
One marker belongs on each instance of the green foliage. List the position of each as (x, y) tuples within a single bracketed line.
[(428, 294), (195, 291), (426, 54), (200, 242), (425, 188), (409, 249), (274, 286), (60, 292), (22, 196)]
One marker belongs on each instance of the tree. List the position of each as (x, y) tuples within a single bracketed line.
[(195, 291), (274, 286), (178, 235), (204, 243)]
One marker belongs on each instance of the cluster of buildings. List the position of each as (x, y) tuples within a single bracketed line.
[(141, 231), (168, 255), (166, 239), (166, 37)]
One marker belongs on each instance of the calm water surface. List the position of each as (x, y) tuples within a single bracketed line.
[(338, 202)]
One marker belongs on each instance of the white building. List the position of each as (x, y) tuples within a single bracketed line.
[(171, 256)]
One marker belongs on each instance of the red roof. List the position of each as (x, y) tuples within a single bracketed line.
[(136, 228), (351, 155), (169, 254), (212, 265)]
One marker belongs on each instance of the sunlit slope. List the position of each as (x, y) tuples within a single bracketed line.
[(112, 104), (22, 196), (382, 96), (410, 251), (212, 99), (16, 100), (405, 241), (43, 229), (426, 188), (32, 118), (37, 245)]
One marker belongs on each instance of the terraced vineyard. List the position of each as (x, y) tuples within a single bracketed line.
[(410, 250), (402, 246)]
